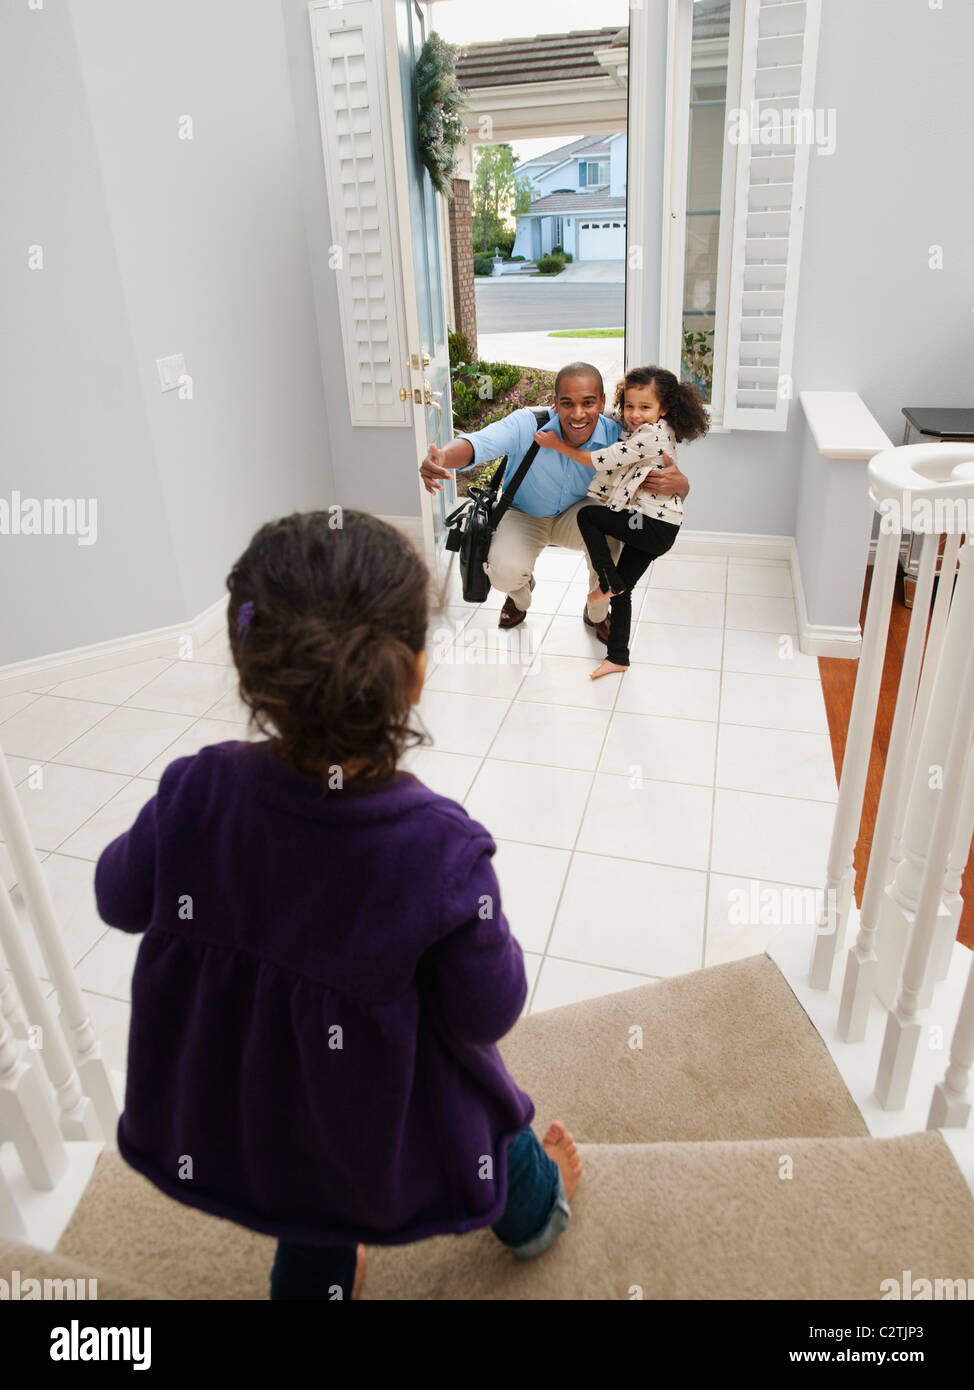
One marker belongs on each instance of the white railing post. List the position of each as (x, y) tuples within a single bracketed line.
[(860, 977), (931, 661), (931, 827), (950, 1107), (76, 1118), (74, 1017), (25, 1115), (956, 864), (840, 874)]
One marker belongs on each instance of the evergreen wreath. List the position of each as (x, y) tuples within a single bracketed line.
[(440, 98)]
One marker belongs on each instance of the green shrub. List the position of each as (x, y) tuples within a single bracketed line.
[(560, 251), (516, 258), (483, 265), (550, 265), (460, 349), (503, 242)]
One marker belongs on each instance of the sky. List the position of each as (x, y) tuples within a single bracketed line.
[(482, 21)]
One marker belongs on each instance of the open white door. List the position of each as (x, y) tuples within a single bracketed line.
[(385, 221)]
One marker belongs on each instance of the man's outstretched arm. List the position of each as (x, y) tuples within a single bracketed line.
[(440, 463)]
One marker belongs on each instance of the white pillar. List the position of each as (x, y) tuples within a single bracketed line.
[(860, 976)]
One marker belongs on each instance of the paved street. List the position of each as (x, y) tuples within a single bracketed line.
[(508, 304)]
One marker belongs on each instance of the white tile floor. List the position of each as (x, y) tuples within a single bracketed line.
[(633, 815)]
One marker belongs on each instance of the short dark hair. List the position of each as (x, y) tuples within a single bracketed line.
[(334, 618), (579, 369)]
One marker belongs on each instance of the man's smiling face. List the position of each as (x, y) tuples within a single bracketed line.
[(579, 406)]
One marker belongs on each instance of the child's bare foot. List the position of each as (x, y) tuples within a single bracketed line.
[(360, 1263), (600, 595), (606, 668), (559, 1145)]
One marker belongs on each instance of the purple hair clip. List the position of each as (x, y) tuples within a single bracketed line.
[(243, 619)]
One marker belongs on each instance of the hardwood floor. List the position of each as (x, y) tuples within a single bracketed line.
[(838, 683)]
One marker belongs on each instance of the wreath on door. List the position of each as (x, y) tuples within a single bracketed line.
[(440, 99)]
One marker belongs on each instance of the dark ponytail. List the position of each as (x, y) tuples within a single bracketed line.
[(325, 624), (679, 400)]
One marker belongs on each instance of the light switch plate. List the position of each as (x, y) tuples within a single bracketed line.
[(170, 371)]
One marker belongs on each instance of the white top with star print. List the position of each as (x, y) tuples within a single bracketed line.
[(622, 468)]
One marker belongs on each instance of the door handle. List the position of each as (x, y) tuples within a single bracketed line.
[(430, 398)]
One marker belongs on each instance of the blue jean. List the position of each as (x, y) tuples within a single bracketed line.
[(536, 1213)]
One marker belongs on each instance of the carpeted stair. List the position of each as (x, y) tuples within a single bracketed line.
[(723, 1158)]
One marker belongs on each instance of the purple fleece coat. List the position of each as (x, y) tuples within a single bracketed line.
[(316, 1002)]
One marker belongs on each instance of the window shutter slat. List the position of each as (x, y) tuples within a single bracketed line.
[(349, 70), (780, 41)]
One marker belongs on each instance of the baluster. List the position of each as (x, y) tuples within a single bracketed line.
[(927, 847), (950, 1107), (73, 1014), (860, 976), (931, 660), (25, 1115), (77, 1119), (956, 864), (840, 876)]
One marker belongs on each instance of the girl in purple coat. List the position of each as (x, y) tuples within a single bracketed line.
[(325, 969)]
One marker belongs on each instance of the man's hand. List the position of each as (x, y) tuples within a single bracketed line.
[(667, 482), (431, 469)]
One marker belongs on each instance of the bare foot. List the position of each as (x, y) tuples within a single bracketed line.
[(559, 1145), (359, 1272), (600, 595), (606, 668)]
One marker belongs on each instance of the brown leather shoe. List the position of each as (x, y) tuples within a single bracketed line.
[(511, 615), (601, 629)]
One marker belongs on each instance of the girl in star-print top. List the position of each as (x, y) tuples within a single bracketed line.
[(656, 410)]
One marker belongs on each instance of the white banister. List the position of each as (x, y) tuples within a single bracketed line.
[(954, 690), (860, 977), (91, 1069)]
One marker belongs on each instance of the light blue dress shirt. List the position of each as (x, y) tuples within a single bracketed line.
[(553, 483)]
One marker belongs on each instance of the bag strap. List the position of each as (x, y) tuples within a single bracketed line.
[(507, 496)]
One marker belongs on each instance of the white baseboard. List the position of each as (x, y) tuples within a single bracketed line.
[(818, 639), (43, 671), (740, 546)]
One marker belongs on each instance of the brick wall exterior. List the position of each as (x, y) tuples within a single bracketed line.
[(461, 269)]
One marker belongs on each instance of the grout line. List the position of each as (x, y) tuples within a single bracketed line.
[(713, 799), (574, 848)]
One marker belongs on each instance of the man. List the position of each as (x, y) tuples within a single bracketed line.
[(546, 504)]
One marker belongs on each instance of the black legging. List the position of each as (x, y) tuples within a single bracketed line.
[(644, 539)]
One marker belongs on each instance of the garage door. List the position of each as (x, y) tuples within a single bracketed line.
[(602, 241)]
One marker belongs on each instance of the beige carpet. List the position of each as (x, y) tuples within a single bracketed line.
[(662, 1221), (727, 1053), (681, 1195)]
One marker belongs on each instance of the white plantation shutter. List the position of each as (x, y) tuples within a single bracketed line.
[(350, 72), (779, 46)]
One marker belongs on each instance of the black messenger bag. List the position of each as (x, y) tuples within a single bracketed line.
[(474, 522)]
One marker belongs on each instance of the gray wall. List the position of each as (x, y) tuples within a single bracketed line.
[(154, 245), (872, 317)]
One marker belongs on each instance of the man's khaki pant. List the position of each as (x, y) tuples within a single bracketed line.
[(520, 539)]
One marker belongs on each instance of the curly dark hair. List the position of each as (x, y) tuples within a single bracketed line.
[(334, 616), (680, 401)]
